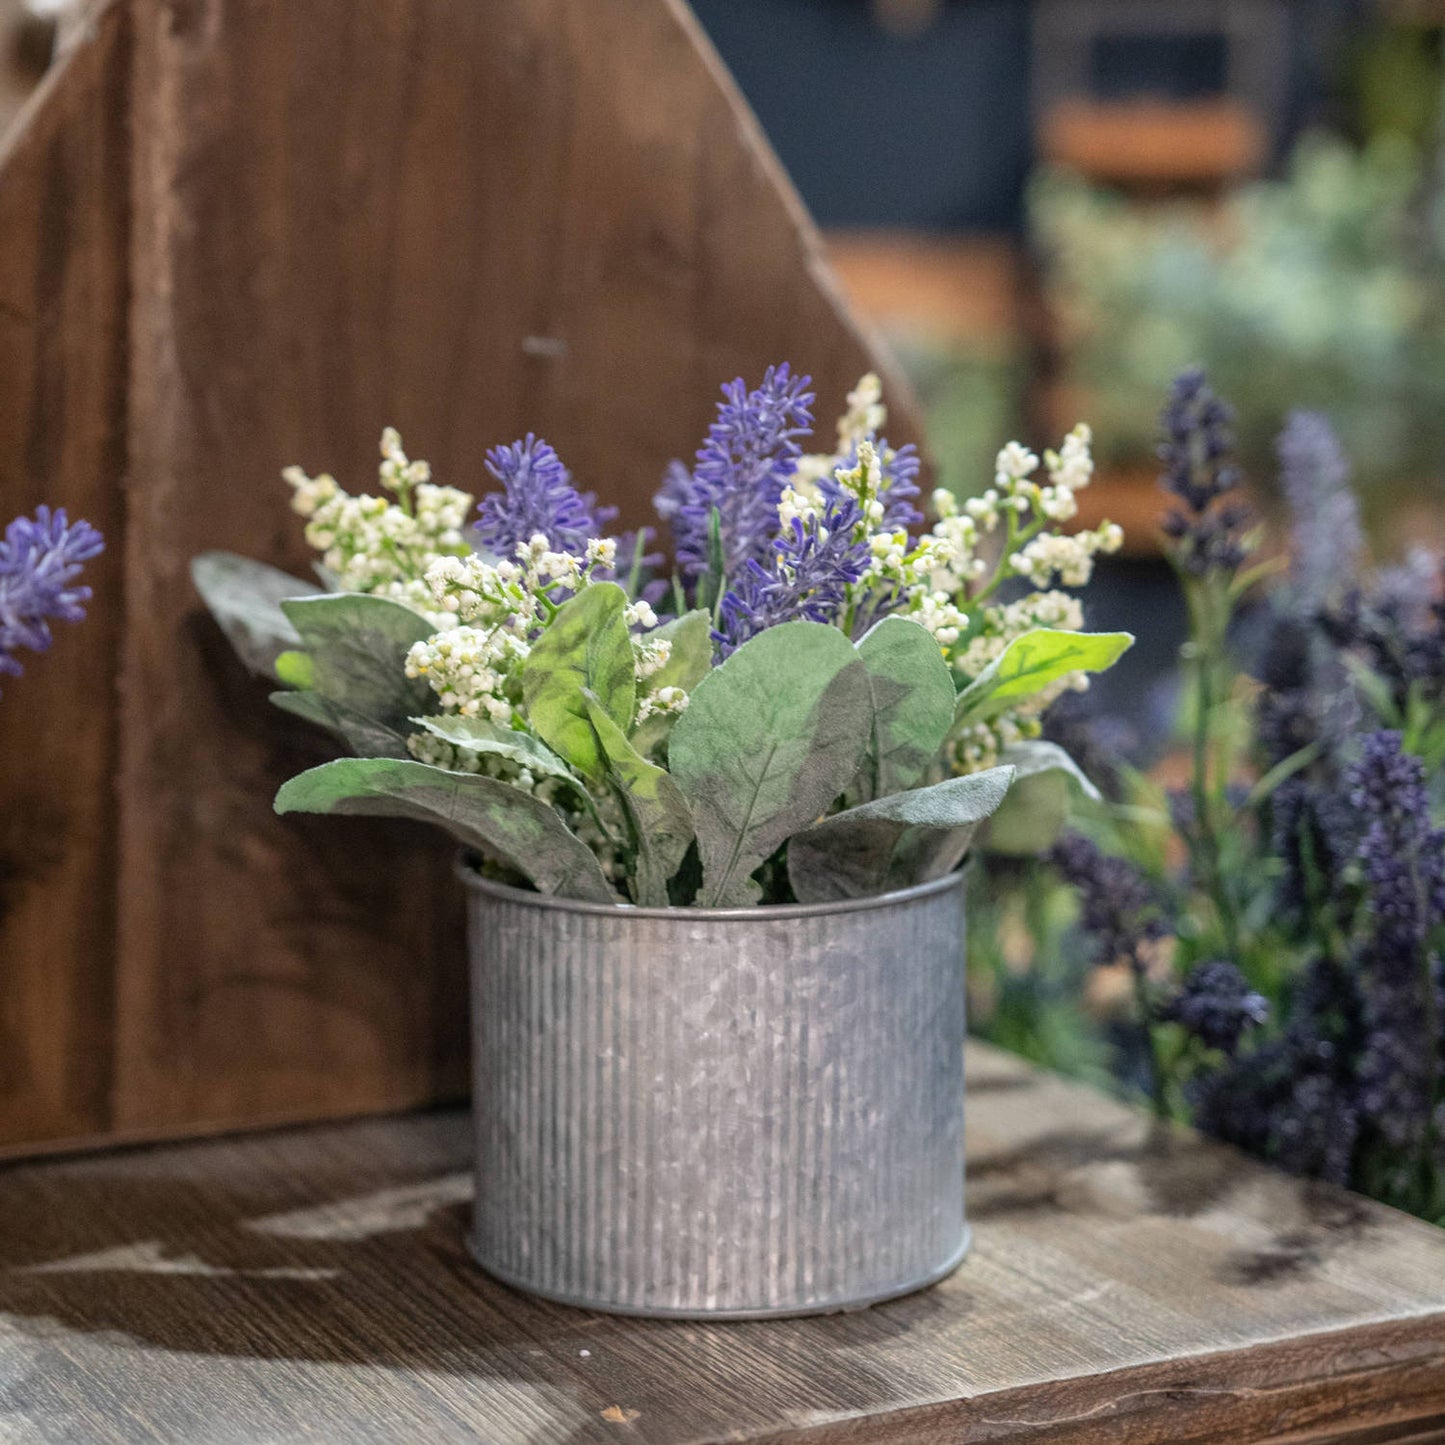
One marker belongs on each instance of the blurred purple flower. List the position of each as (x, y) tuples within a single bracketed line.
[(1216, 1004), (1120, 912), (1404, 865), (537, 496), (40, 559), (1325, 535), (1197, 451)]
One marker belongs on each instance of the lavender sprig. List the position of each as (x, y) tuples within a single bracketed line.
[(1121, 915), (816, 560), (1404, 865), (1325, 536), (749, 455), (1197, 452), (898, 472), (1215, 1005), (537, 496), (40, 559)]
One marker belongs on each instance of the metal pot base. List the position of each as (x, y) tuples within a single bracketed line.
[(784, 1312)]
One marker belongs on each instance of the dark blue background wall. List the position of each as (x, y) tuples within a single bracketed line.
[(934, 131), (882, 130)]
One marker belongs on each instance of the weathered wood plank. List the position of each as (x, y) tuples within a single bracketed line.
[(63, 289), (241, 233), (1123, 1290)]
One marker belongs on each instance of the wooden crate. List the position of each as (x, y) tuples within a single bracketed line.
[(240, 233)]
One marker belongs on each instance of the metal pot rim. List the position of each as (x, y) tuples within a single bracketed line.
[(758, 913)]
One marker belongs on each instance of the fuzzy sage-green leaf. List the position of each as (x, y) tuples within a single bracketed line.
[(364, 736), (358, 647), (245, 599), (586, 645), (768, 742), (1034, 757), (911, 691), (1030, 663), (895, 842), (661, 825), (490, 816)]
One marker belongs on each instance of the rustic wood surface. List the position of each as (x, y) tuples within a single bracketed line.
[(314, 1285), (236, 234), (63, 290)]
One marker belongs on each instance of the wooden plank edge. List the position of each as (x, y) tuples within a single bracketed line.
[(1291, 1391), (215, 1131)]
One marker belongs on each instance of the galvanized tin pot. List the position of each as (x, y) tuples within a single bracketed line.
[(723, 1113)]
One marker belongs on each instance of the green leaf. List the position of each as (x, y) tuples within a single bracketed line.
[(586, 645), (690, 662), (912, 704), (895, 842), (1030, 663), (769, 740), (309, 706), (493, 817), (691, 657), (358, 647), (1029, 758), (480, 735), (661, 824), (362, 735), (245, 599), (295, 669)]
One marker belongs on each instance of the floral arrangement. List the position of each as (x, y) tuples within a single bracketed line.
[(1281, 921), (40, 559), (821, 698)]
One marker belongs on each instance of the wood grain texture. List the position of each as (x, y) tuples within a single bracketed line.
[(63, 287), (243, 233), (1124, 1289)]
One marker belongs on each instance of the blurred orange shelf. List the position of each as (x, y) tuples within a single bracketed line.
[(940, 288), (1154, 143)]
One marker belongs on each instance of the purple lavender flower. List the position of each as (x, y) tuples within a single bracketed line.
[(1120, 912), (898, 485), (1216, 1004), (1197, 452), (1404, 866), (1325, 532), (39, 562), (749, 455), (1294, 1099), (537, 496), (815, 562), (1398, 628)]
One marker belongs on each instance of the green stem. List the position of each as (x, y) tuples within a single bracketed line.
[(1208, 647), (1158, 1091)]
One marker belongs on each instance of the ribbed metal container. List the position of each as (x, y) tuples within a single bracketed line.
[(718, 1113)]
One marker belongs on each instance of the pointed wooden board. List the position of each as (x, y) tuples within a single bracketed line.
[(236, 234)]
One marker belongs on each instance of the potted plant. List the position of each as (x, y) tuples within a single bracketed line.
[(713, 816)]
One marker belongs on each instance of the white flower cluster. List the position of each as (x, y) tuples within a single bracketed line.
[(1016, 519), (498, 607), (428, 748), (472, 670), (373, 545), (665, 702), (900, 568), (865, 417)]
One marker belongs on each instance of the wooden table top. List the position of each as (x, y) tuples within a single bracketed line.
[(312, 1284)]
